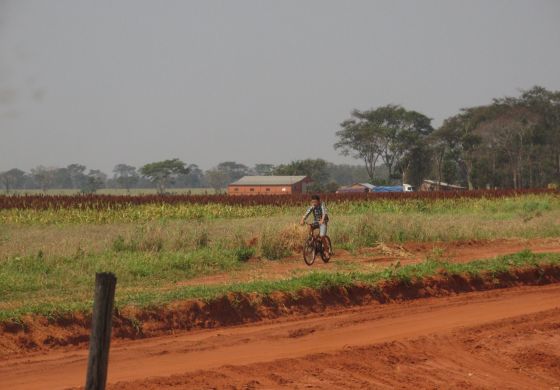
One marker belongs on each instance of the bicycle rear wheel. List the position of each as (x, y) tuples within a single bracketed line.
[(309, 252)]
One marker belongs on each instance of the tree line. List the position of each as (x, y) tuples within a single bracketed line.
[(513, 142), (174, 173)]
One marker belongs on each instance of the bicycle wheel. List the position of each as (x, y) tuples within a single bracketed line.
[(326, 256), (309, 252)]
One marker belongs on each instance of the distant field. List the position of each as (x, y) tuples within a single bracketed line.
[(119, 191)]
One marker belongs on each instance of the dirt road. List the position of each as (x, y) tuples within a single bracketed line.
[(500, 338)]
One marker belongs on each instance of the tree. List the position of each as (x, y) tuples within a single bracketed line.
[(61, 178), (264, 169), (401, 131), (361, 138), (162, 173), (331, 187), (217, 179), (510, 130), (512, 142), (344, 174), (233, 170), (459, 135), (439, 152), (409, 146), (415, 165), (77, 175), (125, 176), (546, 104), (224, 173), (194, 179), (43, 176), (315, 169), (387, 132), (14, 178), (95, 180)]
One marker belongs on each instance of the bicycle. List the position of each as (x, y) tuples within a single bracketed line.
[(313, 245)]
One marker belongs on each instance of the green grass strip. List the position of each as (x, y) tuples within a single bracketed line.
[(315, 280)]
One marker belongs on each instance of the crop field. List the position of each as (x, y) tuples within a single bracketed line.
[(186, 262), (51, 246)]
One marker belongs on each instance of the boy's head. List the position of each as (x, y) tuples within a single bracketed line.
[(315, 200)]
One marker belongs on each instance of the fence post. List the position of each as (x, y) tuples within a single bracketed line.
[(100, 337)]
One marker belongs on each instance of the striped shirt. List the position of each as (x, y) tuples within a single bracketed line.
[(318, 212)]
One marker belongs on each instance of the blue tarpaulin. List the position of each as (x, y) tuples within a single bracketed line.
[(388, 189)]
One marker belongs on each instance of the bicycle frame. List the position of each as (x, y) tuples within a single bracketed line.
[(315, 242)]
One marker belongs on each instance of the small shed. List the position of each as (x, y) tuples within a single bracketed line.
[(269, 185), (432, 185)]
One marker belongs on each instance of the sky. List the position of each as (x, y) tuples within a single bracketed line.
[(102, 82)]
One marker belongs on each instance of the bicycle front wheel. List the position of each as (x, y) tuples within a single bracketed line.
[(326, 252), (309, 252)]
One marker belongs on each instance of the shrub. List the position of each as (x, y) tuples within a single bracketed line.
[(120, 245), (202, 239), (148, 238), (273, 246), (244, 253), (151, 244)]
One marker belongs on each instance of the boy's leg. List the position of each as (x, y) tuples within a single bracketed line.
[(322, 234)]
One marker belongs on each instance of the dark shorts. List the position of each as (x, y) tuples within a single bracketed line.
[(322, 228)]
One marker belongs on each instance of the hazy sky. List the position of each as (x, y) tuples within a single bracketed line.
[(104, 82)]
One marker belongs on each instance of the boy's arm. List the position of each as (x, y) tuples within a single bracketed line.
[(324, 212), (309, 210)]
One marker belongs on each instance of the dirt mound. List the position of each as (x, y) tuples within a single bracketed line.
[(40, 333)]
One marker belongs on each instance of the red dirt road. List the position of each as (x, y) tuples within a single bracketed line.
[(506, 338)]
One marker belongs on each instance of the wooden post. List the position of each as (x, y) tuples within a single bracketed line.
[(100, 338)]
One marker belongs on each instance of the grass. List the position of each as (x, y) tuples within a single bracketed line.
[(62, 298), (47, 278), (275, 237), (319, 279)]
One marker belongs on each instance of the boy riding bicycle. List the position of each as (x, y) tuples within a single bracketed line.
[(320, 219)]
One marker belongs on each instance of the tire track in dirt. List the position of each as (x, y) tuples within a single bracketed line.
[(266, 344)]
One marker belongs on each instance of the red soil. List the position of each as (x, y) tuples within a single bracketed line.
[(507, 338)]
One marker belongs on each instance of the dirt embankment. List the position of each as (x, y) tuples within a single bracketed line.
[(37, 333)]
